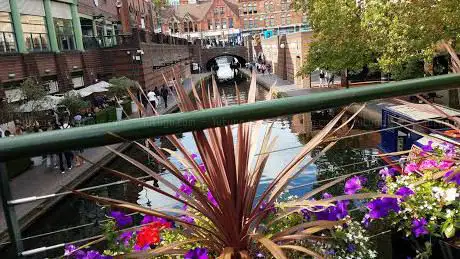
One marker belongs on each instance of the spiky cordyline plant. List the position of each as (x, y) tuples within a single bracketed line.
[(232, 176)]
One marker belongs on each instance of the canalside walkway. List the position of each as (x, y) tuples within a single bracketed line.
[(41, 180)]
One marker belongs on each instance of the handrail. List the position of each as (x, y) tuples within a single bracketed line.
[(110, 133)]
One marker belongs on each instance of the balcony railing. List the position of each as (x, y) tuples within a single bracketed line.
[(134, 129)]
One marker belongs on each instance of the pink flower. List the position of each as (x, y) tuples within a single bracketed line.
[(445, 164), (410, 168), (428, 164)]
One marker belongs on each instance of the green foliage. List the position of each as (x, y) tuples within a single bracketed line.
[(119, 86), (74, 102), (107, 115), (32, 90), (412, 69), (339, 41), (350, 33)]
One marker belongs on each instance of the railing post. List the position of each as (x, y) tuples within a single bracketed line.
[(10, 214)]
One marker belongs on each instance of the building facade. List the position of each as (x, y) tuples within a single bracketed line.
[(69, 44), (218, 18), (214, 21)]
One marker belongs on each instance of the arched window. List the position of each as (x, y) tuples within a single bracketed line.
[(245, 9), (251, 23), (190, 26), (283, 19), (288, 19), (185, 26)]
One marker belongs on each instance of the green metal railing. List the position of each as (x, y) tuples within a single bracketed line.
[(105, 134)]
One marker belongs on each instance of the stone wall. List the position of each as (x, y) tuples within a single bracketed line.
[(286, 54)]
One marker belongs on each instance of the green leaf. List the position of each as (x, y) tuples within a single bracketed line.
[(449, 231)]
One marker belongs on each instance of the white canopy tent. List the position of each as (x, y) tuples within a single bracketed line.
[(99, 87), (49, 102)]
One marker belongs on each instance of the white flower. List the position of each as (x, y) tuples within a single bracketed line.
[(451, 194)]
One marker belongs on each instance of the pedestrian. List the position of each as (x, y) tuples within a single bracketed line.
[(331, 79), (8, 133), (152, 98), (156, 91), (164, 94), (67, 155), (321, 78)]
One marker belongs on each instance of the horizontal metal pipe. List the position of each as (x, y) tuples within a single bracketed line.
[(104, 134)]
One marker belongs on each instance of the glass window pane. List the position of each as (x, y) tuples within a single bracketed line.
[(64, 33)]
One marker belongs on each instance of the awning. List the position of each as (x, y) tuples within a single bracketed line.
[(95, 88)]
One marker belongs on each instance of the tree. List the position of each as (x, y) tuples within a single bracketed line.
[(119, 86), (339, 42), (74, 102), (393, 33)]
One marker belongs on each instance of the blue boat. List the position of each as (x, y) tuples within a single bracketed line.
[(401, 122)]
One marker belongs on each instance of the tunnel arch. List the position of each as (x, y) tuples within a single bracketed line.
[(211, 61)]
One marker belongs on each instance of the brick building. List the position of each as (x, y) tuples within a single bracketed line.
[(216, 21), (69, 44), (275, 15)]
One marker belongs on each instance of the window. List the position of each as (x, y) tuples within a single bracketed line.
[(64, 33), (217, 24), (7, 40), (246, 24), (272, 21), (190, 26), (185, 26), (230, 22), (254, 8), (283, 19), (210, 27), (288, 19), (224, 23), (176, 27), (78, 81), (196, 27), (52, 86), (251, 23), (35, 34), (171, 27)]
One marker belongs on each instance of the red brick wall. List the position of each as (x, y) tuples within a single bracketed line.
[(11, 65), (136, 8)]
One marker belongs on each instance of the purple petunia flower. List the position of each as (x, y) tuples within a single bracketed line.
[(212, 199), (386, 172), (125, 237), (410, 168), (306, 214), (202, 168), (380, 208), (455, 178), (366, 220), (353, 185), (68, 249), (428, 147), (428, 164), (187, 219), (149, 219), (404, 192), (327, 195), (445, 164), (419, 227), (138, 248), (351, 248), (191, 179), (185, 189), (92, 254), (449, 149), (382, 186), (121, 218), (339, 211), (197, 253)]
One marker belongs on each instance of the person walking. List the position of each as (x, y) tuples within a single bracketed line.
[(152, 98), (331, 80), (68, 155), (321, 78), (164, 94)]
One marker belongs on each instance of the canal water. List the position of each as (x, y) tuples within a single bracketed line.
[(292, 132)]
